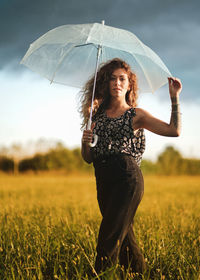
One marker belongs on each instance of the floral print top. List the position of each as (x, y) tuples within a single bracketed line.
[(116, 135)]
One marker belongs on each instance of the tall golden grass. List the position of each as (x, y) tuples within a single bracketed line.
[(49, 227)]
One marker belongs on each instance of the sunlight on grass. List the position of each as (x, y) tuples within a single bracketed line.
[(49, 227)]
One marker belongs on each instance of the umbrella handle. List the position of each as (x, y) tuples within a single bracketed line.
[(92, 144)]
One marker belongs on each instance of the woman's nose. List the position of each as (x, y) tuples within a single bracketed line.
[(117, 81)]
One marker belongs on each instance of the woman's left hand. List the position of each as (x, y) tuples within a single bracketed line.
[(175, 86)]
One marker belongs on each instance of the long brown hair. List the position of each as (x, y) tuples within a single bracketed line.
[(102, 95)]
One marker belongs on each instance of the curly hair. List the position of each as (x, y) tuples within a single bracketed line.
[(102, 95)]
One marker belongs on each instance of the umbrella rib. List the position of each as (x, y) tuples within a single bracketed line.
[(83, 45), (88, 37), (144, 71), (62, 58), (59, 63), (142, 45)]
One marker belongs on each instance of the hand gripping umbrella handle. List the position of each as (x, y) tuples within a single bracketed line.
[(92, 144)]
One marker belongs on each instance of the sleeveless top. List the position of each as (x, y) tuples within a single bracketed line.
[(116, 135)]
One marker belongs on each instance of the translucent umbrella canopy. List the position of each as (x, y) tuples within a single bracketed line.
[(68, 55)]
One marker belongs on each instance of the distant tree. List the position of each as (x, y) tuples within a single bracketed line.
[(148, 167), (35, 163), (60, 157), (191, 166), (79, 162), (169, 162), (16, 152), (6, 164), (56, 158)]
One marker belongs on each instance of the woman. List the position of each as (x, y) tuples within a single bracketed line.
[(120, 126)]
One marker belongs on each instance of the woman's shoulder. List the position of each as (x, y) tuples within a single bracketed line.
[(139, 117), (140, 113)]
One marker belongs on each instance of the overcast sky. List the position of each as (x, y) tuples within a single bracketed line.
[(171, 28)]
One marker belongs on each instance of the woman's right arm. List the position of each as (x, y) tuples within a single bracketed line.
[(85, 148)]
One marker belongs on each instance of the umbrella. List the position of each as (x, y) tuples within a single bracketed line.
[(70, 55)]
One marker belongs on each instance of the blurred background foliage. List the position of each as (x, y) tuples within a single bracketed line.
[(61, 158)]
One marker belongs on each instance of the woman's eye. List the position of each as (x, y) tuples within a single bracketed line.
[(114, 78), (122, 79)]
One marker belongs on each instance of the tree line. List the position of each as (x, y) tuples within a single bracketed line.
[(169, 162)]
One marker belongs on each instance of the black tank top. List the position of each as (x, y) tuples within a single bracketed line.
[(116, 135)]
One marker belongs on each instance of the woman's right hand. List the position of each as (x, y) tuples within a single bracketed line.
[(85, 148), (88, 135)]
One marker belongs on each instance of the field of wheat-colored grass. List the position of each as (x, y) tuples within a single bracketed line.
[(49, 227)]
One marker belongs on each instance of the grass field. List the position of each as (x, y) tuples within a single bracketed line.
[(49, 227)]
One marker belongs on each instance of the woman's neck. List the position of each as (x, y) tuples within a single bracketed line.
[(117, 105)]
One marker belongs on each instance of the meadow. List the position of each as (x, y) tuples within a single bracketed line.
[(49, 227)]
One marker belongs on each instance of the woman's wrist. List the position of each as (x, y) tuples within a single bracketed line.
[(176, 114), (175, 107), (175, 100), (175, 104)]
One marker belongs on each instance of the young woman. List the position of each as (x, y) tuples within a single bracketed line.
[(116, 157)]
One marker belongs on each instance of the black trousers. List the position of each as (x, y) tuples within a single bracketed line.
[(120, 188)]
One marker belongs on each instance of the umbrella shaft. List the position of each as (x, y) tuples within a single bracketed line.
[(94, 85)]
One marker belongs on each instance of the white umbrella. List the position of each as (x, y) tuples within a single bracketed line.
[(70, 55)]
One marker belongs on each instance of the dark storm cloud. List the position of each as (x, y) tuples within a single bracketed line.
[(171, 28)]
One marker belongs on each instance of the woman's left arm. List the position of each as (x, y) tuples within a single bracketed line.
[(157, 126)]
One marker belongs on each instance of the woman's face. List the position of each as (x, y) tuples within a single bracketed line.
[(119, 83)]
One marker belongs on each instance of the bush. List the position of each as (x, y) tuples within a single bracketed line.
[(56, 159), (6, 164)]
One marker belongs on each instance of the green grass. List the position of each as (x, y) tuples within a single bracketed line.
[(49, 227)]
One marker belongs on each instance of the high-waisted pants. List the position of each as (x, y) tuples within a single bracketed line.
[(120, 188)]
